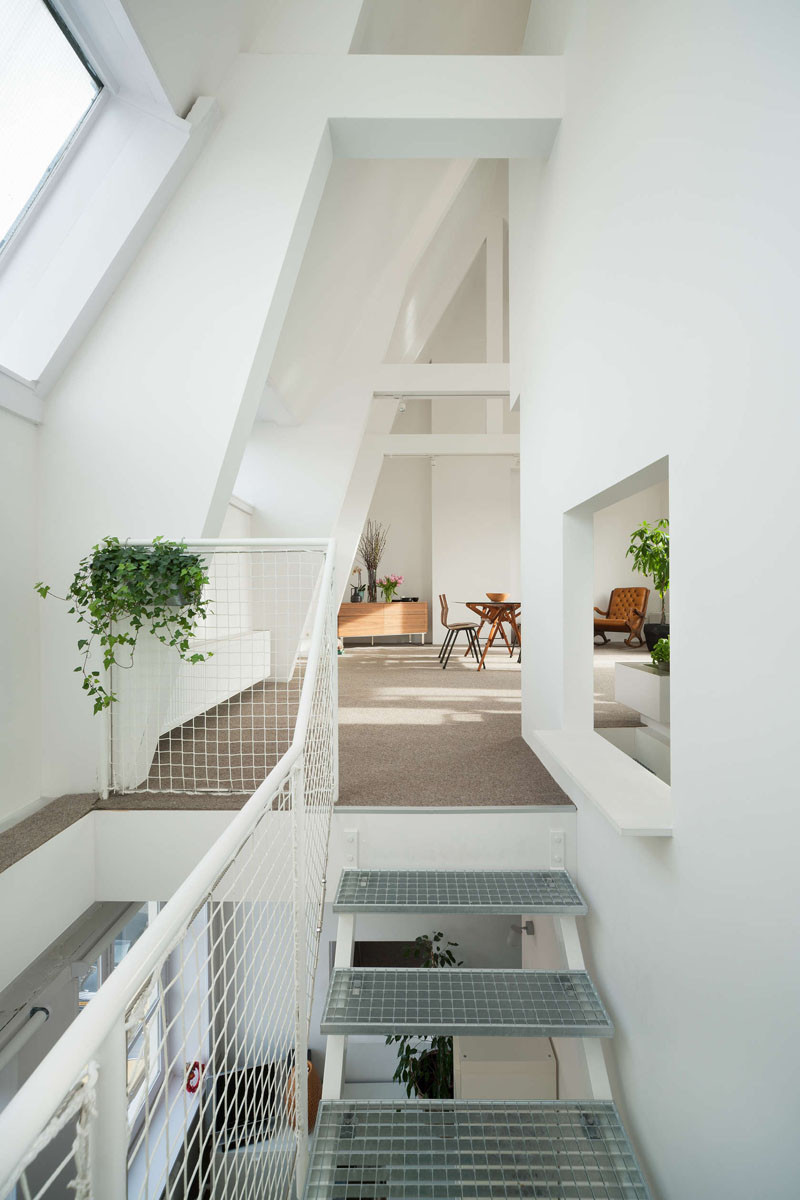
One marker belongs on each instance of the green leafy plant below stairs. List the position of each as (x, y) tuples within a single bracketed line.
[(425, 1065)]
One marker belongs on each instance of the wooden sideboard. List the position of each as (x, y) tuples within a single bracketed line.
[(383, 620)]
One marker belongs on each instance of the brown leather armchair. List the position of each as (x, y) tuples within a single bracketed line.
[(626, 612)]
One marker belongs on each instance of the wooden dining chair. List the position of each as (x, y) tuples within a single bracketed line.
[(453, 630)]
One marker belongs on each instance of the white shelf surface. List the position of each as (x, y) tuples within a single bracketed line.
[(635, 802)]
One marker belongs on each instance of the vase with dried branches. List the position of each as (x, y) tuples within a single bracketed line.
[(371, 548)]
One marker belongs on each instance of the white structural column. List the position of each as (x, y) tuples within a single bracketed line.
[(495, 297), (495, 292)]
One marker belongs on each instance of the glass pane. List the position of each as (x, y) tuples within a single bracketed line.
[(45, 92), (128, 935), (88, 986), (141, 1069)]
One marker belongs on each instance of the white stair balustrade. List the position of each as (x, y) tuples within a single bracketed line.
[(178, 1079)]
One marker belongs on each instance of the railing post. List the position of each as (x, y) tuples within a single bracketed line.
[(300, 975), (108, 1156), (332, 628)]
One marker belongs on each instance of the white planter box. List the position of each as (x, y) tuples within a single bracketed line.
[(642, 687)]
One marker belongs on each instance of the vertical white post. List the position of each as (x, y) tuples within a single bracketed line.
[(495, 292), (104, 767), (300, 976), (105, 734), (336, 1050), (108, 1155), (333, 626), (566, 931)]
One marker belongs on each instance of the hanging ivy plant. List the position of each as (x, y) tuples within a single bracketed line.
[(120, 590)]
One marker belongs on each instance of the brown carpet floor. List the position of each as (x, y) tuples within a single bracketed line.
[(410, 734), (608, 712), (232, 747), (413, 734)]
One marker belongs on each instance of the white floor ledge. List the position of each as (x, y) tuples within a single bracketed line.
[(634, 801)]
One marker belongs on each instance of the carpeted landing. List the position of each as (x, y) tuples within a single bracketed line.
[(411, 734)]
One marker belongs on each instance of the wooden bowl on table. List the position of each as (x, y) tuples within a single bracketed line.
[(497, 597)]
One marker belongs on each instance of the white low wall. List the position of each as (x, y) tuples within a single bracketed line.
[(236, 664)]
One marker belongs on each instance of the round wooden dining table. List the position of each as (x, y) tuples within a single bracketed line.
[(496, 614)]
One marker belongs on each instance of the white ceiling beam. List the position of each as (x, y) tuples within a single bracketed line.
[(441, 444), (409, 106), (442, 379)]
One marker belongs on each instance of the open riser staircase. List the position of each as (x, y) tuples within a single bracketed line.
[(467, 1149)]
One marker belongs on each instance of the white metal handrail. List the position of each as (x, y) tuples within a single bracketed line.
[(97, 1034)]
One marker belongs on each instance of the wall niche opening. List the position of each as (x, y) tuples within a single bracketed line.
[(631, 684)]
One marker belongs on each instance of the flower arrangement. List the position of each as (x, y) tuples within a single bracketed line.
[(357, 589), (371, 548), (389, 585)]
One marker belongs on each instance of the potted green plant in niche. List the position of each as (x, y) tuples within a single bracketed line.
[(121, 591), (660, 655), (650, 551), (425, 1065)]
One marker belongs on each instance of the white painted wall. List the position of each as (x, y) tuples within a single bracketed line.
[(613, 527), (441, 27), (150, 363), (402, 501), (192, 43), (475, 541), (20, 691), (238, 521), (308, 475), (653, 313), (548, 26), (460, 335), (43, 894)]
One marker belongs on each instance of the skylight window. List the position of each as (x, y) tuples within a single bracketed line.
[(46, 90)]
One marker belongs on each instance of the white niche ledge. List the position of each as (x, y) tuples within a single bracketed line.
[(636, 803)]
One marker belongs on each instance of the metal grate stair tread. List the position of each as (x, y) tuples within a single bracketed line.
[(464, 1001), (501, 892), (472, 1150)]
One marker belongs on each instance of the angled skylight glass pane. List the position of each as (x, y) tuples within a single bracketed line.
[(46, 90)]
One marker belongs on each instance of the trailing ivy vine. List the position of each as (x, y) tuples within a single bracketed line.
[(120, 590)]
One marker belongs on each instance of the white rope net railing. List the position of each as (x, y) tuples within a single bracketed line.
[(185, 1059), (219, 725)]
